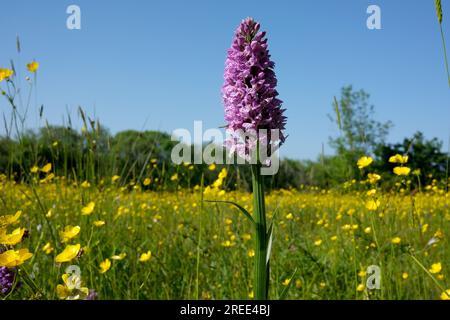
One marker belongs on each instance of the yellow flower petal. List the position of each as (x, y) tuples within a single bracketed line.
[(14, 258), (373, 205), (33, 66), (47, 248), (69, 253), (88, 209), (105, 265), (99, 223), (13, 238), (119, 257), (445, 295), (5, 74), (10, 219), (46, 168), (398, 159), (436, 268), (69, 232), (402, 171), (145, 256), (364, 162)]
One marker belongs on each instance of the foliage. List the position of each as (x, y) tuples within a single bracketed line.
[(360, 133)]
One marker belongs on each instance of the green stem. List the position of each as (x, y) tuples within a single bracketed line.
[(261, 269), (445, 54)]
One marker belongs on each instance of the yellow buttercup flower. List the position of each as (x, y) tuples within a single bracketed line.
[(85, 185), (246, 236), (14, 258), (88, 209), (396, 240), (373, 178), (174, 177), (115, 178), (69, 253), (34, 169), (438, 234), (5, 74), (217, 183), (364, 162), (47, 248), (286, 282), (402, 171), (147, 181), (33, 66), (48, 178), (405, 275), (318, 242), (445, 295), (99, 223), (373, 205), (223, 173), (212, 167), (13, 238), (119, 256), (398, 159), (69, 232), (105, 265), (360, 287), (251, 253), (46, 168), (435, 268), (10, 219), (208, 190), (145, 256)]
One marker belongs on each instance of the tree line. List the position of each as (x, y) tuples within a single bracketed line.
[(95, 155)]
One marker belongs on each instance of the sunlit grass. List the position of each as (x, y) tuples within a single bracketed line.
[(151, 240)]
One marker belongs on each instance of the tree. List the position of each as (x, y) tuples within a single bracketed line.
[(360, 133), (423, 154), (133, 150)]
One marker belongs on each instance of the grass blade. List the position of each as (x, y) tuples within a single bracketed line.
[(245, 212)]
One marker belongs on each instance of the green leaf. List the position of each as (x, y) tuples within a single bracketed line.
[(245, 212), (270, 235), (269, 242)]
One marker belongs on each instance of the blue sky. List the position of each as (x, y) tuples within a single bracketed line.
[(159, 64)]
